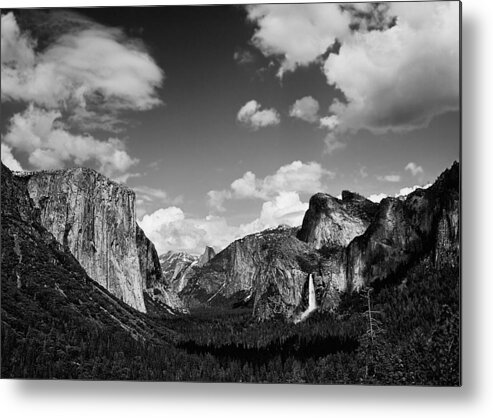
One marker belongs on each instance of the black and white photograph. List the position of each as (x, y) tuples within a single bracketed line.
[(243, 193)]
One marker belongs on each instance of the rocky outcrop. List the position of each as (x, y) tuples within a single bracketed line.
[(156, 286), (265, 271), (176, 267), (94, 218), (150, 267), (206, 256), (426, 222), (333, 222)]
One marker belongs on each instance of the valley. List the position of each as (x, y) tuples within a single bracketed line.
[(360, 293)]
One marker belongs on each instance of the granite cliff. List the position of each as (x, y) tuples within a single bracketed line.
[(45, 290), (426, 222), (94, 218), (335, 222), (206, 256)]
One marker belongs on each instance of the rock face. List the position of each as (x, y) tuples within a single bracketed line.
[(207, 256), (265, 271), (95, 219), (176, 267), (150, 267), (426, 222), (44, 287), (333, 222), (344, 244), (156, 287)]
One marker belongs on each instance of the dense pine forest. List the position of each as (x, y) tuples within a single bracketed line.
[(406, 334)]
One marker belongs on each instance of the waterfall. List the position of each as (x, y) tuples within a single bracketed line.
[(312, 301)]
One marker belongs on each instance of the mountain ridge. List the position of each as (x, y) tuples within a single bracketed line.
[(347, 243)]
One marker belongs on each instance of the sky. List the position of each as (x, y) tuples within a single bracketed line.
[(226, 119)]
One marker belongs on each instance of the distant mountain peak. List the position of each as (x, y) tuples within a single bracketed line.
[(206, 256)]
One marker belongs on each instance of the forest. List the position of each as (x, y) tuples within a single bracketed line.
[(406, 334)]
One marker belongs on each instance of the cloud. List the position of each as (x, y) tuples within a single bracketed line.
[(414, 168), (331, 141), (407, 190), (148, 198), (243, 56), (280, 192), (329, 122), (401, 193), (216, 199), (150, 194), (363, 172), (370, 16), (171, 229), (123, 178), (82, 78), (377, 197), (392, 178), (162, 217), (294, 177), (251, 116), (16, 49), (85, 71), (40, 134), (397, 65), (284, 209), (299, 34), (305, 109), (247, 186), (8, 159), (400, 78)]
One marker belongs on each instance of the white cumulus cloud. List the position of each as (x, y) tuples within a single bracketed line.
[(254, 117), (394, 79), (329, 122), (170, 229), (294, 177), (305, 109), (284, 209), (299, 33), (8, 159), (83, 79), (40, 135), (95, 68), (398, 79)]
